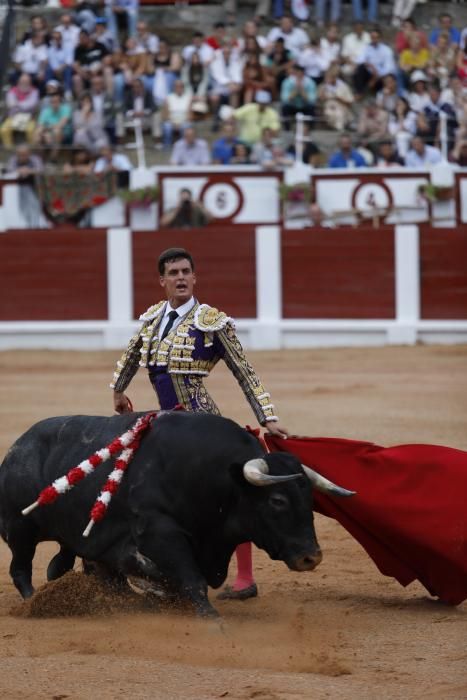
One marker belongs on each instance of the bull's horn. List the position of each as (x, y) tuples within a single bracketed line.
[(256, 471), (324, 485)]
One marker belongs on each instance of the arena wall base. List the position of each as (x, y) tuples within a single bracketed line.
[(254, 335)]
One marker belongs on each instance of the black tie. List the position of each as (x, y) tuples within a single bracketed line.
[(173, 315)]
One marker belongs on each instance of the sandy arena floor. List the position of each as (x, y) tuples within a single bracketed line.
[(343, 631)]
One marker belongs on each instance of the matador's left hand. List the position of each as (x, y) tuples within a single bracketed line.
[(275, 428)]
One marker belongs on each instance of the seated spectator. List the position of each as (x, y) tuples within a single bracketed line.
[(104, 36), (402, 11), (204, 51), (31, 58), (279, 61), (37, 24), (122, 15), (146, 40), (374, 63), (402, 125), (187, 213), (223, 148), (195, 77), (80, 163), (218, 38), (387, 155), (226, 78), (59, 61), (103, 104), (405, 34), (331, 46), (270, 153), (241, 154), (313, 61), (433, 111), (445, 25), (336, 98), (421, 155), (176, 112), (86, 13), (163, 69), (22, 102), (251, 31), (346, 156), (87, 61), (298, 94), (418, 97), (295, 38), (353, 45), (442, 61), (110, 161), (190, 150), (25, 166), (70, 33), (416, 57), (371, 10), (256, 116), (372, 124), (255, 77), (88, 126), (128, 65), (387, 97), (54, 126)]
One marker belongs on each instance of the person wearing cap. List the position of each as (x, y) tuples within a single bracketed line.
[(255, 116), (419, 96), (298, 94), (375, 61), (179, 342)]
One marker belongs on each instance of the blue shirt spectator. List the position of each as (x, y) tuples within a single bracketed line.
[(346, 156), (223, 148), (445, 25)]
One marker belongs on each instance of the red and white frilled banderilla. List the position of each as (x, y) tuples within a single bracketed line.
[(126, 445)]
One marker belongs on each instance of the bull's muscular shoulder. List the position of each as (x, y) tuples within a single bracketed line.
[(152, 312), (209, 319)]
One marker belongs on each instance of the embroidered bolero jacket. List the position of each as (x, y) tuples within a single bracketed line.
[(188, 353)]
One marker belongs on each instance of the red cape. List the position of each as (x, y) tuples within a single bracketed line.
[(410, 511)]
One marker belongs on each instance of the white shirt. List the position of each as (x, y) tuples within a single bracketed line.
[(181, 310), (70, 36), (148, 42), (431, 156), (205, 52), (30, 57), (330, 52), (380, 57), (313, 61), (353, 45), (178, 107), (294, 41), (119, 161), (223, 73), (418, 101)]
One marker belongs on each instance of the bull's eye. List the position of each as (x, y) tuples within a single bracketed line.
[(278, 501)]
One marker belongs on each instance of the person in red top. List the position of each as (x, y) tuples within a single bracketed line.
[(217, 39), (405, 33)]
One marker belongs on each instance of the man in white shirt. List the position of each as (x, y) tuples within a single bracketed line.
[(198, 45), (69, 31), (31, 57), (145, 39), (353, 45), (421, 155), (375, 62), (176, 112), (295, 39), (112, 162), (226, 71)]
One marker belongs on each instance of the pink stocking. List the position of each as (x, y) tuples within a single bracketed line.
[(244, 567)]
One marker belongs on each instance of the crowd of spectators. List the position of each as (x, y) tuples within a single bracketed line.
[(82, 84)]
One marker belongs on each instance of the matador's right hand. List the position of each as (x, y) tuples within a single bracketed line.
[(122, 403)]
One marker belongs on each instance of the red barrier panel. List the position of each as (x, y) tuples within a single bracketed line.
[(225, 266), (53, 275), (443, 263), (338, 273)]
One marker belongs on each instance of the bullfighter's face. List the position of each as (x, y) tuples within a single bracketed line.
[(178, 282)]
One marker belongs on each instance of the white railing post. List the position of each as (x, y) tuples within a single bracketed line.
[(266, 333), (119, 285), (407, 274)]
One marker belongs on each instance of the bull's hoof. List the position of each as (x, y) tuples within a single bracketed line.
[(230, 593)]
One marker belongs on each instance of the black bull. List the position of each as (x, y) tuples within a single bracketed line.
[(186, 501)]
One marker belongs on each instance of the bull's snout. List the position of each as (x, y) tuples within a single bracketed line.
[(307, 562)]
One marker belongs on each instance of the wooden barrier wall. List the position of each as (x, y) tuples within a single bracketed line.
[(345, 273)]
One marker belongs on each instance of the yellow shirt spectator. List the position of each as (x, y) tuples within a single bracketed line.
[(256, 116), (411, 60)]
